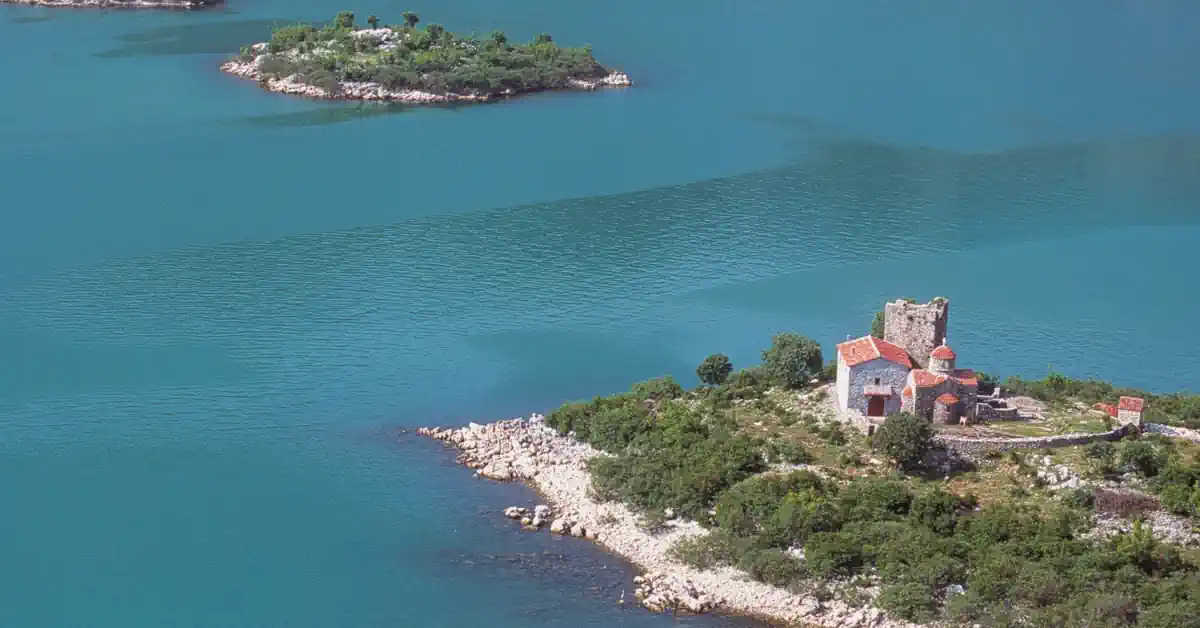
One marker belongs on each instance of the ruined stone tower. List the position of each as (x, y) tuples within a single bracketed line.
[(918, 327)]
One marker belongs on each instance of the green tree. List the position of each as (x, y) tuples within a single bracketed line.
[(715, 369), (344, 19), (792, 360), (937, 510), (543, 38), (905, 438), (877, 325), (658, 388), (499, 37), (1143, 457), (410, 19), (373, 21), (435, 31), (1102, 456)]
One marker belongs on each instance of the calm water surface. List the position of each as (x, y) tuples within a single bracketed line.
[(218, 305)]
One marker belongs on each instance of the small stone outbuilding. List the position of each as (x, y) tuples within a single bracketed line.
[(1129, 411), (942, 392), (871, 373), (946, 408)]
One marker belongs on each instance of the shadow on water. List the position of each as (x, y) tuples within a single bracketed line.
[(189, 39), (30, 19), (619, 262), (825, 212), (333, 113)]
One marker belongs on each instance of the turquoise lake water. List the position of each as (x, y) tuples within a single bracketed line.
[(218, 306)]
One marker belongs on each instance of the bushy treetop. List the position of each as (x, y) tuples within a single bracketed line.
[(905, 438), (792, 360)]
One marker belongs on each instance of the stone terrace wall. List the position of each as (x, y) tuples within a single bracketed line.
[(985, 412), (1173, 432), (973, 446)]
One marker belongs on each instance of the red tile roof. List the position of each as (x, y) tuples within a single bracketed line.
[(1133, 404), (907, 391), (943, 353), (966, 377), (947, 399), (926, 379), (893, 353), (867, 348), (1107, 407)]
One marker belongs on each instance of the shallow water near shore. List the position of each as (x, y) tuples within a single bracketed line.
[(220, 305)]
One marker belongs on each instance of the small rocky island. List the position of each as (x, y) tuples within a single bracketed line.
[(404, 63), (121, 4)]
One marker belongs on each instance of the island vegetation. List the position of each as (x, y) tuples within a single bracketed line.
[(405, 61), (121, 4), (798, 501)]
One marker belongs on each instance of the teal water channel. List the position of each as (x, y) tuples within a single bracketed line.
[(218, 306)]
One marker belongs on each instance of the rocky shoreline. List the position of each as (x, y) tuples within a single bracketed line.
[(119, 4), (526, 450), (348, 90)]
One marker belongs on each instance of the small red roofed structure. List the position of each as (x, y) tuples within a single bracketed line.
[(945, 408), (943, 352), (1129, 411)]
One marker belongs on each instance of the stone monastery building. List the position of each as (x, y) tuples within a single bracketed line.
[(910, 370)]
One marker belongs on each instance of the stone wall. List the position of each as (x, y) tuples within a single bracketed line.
[(923, 400), (1129, 417), (842, 385), (988, 412), (975, 446), (1172, 431), (919, 328), (888, 374)]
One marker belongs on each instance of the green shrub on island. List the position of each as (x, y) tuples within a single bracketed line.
[(715, 369), (431, 59), (879, 325), (905, 439), (792, 360), (1143, 458), (682, 462)]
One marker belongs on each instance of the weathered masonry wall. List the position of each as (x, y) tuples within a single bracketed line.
[(919, 328), (986, 412), (888, 373), (973, 446), (1173, 432)]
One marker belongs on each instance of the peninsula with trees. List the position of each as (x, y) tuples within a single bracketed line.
[(121, 4), (758, 493), (411, 64)]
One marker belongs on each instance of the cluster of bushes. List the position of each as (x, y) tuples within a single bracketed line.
[(679, 450), (1178, 487), (430, 59), (937, 556), (1181, 409), (667, 454), (1174, 480), (792, 361)]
